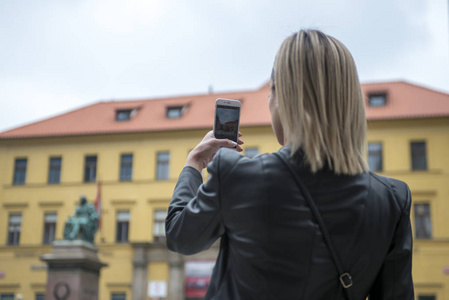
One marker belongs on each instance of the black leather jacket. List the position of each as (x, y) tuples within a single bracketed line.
[(271, 246)]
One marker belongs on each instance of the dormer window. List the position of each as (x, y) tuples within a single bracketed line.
[(377, 99), (123, 115), (175, 112)]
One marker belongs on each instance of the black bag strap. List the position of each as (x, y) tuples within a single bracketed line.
[(345, 277)]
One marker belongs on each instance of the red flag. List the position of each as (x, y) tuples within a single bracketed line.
[(98, 204)]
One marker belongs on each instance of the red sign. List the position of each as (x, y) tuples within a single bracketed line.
[(197, 278), (196, 287)]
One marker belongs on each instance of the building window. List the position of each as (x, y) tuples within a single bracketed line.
[(378, 99), (118, 296), (123, 115), (122, 226), (90, 169), (423, 226), (163, 164), (126, 167), (39, 296), (49, 227), (159, 225), (175, 112), (419, 156), (15, 223), (54, 170), (20, 171), (7, 297), (427, 297), (375, 157), (251, 152)]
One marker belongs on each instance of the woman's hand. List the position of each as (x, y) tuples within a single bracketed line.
[(205, 151)]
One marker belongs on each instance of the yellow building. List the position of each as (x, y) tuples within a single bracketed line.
[(136, 149)]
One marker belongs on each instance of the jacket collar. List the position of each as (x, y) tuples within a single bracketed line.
[(299, 160)]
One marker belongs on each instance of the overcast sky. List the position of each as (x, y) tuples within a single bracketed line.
[(56, 55)]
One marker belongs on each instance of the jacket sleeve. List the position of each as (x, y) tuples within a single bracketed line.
[(194, 220), (394, 280)]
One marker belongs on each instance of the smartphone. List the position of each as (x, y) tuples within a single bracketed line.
[(227, 119)]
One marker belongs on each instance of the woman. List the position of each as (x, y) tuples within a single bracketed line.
[(272, 244)]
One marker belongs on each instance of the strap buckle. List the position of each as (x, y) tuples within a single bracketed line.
[(346, 280)]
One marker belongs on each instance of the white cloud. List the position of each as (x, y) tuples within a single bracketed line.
[(25, 102), (426, 60), (125, 16), (70, 53)]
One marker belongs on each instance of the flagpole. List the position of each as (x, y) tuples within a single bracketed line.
[(98, 209)]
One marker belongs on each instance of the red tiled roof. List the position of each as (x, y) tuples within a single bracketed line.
[(405, 100)]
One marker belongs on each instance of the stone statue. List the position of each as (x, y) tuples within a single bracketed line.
[(82, 225)]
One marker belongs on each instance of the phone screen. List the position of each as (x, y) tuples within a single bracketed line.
[(227, 122)]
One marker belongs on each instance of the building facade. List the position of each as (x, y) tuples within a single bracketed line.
[(128, 154)]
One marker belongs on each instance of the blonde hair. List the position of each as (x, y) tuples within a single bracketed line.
[(320, 102)]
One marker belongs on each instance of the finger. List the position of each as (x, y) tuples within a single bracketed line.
[(240, 142), (240, 134), (224, 143)]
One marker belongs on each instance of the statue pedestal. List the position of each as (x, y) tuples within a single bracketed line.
[(73, 271)]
